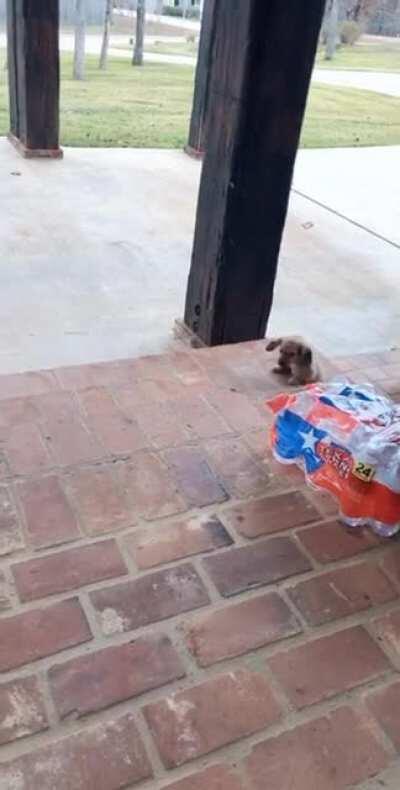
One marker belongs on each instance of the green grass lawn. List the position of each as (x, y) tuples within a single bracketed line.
[(150, 107), (164, 48), (364, 57)]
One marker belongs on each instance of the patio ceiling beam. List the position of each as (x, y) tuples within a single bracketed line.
[(34, 76), (263, 55), (198, 122)]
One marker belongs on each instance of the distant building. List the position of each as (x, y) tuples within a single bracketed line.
[(181, 3)]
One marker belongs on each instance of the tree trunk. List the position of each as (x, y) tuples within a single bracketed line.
[(106, 34), (80, 34), (140, 27), (332, 28)]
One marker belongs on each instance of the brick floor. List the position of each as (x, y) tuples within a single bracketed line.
[(177, 611)]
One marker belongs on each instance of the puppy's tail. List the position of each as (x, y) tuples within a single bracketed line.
[(273, 344)]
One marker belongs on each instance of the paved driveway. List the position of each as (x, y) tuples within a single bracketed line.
[(376, 81)]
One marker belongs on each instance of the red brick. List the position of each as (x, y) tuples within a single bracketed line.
[(194, 478), (385, 705), (237, 410), (11, 538), (186, 367), (96, 681), (26, 450), (22, 710), (341, 593), (17, 411), (148, 391), (325, 503), (162, 424), (289, 475), (241, 474), (100, 502), (41, 632), (201, 421), (81, 377), (218, 777), (118, 433), (24, 384), (328, 666), (237, 570), (332, 541), (391, 387), (387, 632), (149, 487), (164, 544), (237, 629), (109, 756), (271, 514), (48, 515), (216, 373), (149, 599), (257, 441), (329, 753), (220, 711), (152, 366), (70, 442), (391, 563), (68, 570)]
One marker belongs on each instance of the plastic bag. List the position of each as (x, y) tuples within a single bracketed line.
[(347, 440)]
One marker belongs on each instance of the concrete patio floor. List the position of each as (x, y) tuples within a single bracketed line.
[(95, 252), (177, 611)]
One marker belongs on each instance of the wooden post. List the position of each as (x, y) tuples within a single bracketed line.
[(34, 76), (264, 53), (198, 123)]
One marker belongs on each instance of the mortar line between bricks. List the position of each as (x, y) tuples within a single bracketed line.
[(150, 744), (230, 752), (91, 617), (372, 783), (380, 734), (127, 556), (389, 652), (44, 686), (298, 615), (87, 540), (209, 585), (161, 627)]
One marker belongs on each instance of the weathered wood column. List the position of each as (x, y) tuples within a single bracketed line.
[(263, 55), (198, 123), (34, 76)]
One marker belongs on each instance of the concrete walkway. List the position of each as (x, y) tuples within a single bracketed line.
[(95, 253), (379, 82)]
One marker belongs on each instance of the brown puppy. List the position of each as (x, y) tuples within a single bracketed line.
[(295, 360)]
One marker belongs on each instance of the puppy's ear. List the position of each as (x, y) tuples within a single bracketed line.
[(306, 355), (273, 344)]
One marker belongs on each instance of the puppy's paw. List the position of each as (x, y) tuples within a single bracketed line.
[(280, 371), (294, 381)]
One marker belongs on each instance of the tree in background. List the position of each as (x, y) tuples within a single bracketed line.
[(361, 10), (106, 34), (80, 34), (332, 29), (185, 8), (140, 28)]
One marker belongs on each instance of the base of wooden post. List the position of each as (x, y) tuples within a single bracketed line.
[(35, 153), (194, 153), (186, 336)]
